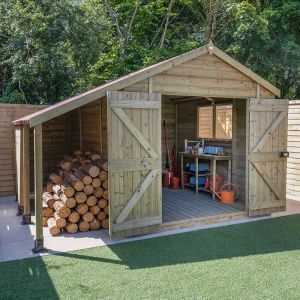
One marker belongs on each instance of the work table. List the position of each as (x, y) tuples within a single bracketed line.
[(213, 168)]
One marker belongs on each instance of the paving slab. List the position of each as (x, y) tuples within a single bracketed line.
[(16, 240)]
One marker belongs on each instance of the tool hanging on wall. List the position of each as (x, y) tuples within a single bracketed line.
[(167, 174), (174, 160), (175, 179)]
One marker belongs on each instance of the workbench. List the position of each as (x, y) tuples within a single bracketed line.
[(213, 169)]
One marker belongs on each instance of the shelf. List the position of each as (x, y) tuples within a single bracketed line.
[(203, 189), (191, 173)]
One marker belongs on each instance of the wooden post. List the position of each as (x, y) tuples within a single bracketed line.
[(25, 176), (19, 163), (214, 173), (38, 185)]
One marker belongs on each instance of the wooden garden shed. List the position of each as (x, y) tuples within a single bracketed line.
[(122, 120)]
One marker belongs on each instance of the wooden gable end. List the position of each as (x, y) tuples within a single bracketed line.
[(206, 75)]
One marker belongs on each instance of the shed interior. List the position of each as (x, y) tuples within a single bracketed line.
[(183, 122)]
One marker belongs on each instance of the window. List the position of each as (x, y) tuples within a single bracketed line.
[(205, 124), (222, 125)]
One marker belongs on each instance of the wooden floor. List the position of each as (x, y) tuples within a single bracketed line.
[(185, 204)]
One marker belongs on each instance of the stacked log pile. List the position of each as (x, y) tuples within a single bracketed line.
[(76, 196)]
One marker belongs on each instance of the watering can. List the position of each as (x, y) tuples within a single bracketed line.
[(227, 196)]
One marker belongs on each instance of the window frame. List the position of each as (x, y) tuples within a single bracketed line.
[(214, 122)]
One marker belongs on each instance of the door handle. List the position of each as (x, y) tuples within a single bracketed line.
[(284, 154)]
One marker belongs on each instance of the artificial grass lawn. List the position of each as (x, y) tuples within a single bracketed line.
[(259, 260)]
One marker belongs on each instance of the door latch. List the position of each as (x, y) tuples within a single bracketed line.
[(284, 154)]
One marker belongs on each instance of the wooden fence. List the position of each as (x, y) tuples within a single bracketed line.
[(293, 162), (9, 113)]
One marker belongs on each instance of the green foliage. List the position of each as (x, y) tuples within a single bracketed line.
[(51, 50)]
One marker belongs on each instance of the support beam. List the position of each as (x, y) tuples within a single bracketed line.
[(25, 176), (38, 186), (19, 163)]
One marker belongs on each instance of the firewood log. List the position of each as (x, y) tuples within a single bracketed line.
[(87, 152), (83, 226), (105, 224), (102, 164), (103, 175), (96, 182), (91, 169), (47, 212), (106, 210), (102, 203), (82, 208), (74, 217), (105, 194), (49, 187), (94, 210), (65, 165), (62, 210), (88, 189), (80, 197), (91, 201), (71, 227), (87, 217), (60, 222), (98, 192), (105, 166), (45, 220), (95, 224), (56, 179), (86, 179), (94, 156), (105, 184), (101, 216), (77, 184), (53, 229), (64, 188), (77, 153), (69, 202), (49, 199)]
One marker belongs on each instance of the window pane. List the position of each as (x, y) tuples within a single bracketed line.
[(224, 122), (205, 122)]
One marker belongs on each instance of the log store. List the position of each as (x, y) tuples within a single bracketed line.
[(225, 122)]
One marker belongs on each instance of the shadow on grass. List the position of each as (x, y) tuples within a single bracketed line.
[(261, 237), (26, 279)]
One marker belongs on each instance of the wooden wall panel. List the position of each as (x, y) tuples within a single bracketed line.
[(239, 146), (9, 113), (293, 162), (56, 143), (203, 76), (93, 127)]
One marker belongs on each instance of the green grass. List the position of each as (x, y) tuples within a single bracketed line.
[(259, 260)]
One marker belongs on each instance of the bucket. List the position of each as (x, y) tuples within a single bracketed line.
[(219, 182), (175, 182)]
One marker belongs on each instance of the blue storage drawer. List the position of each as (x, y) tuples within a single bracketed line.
[(201, 181), (213, 150), (202, 168)]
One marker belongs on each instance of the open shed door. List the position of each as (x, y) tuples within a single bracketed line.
[(267, 144), (134, 158)]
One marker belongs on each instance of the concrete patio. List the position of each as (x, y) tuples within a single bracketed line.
[(16, 240)]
